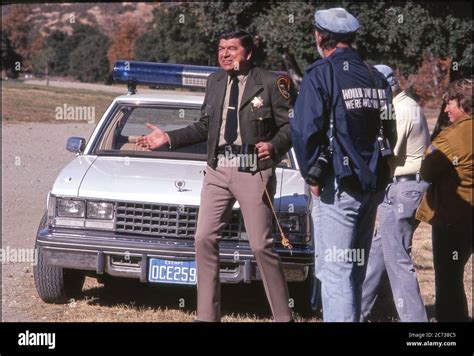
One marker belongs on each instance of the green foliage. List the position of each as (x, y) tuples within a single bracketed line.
[(400, 34), (56, 50), (288, 26), (9, 56), (43, 61), (214, 18), (174, 38), (457, 44), (82, 32), (82, 54), (88, 62)]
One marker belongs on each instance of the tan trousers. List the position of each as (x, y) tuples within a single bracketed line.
[(221, 187)]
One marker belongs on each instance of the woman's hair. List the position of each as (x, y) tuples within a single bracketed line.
[(245, 39), (461, 91)]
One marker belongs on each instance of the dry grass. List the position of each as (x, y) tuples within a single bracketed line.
[(131, 301), (36, 103)]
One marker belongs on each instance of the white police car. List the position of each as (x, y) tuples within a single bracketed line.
[(119, 210)]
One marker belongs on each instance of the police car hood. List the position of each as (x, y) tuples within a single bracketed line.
[(162, 181), (144, 180)]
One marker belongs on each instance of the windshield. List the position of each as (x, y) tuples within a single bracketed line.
[(127, 124)]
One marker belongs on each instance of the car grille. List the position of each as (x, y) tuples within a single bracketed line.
[(176, 221)]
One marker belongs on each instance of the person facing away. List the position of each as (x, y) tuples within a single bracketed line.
[(391, 246), (335, 131)]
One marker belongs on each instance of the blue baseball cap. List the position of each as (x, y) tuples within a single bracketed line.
[(387, 73), (336, 20)]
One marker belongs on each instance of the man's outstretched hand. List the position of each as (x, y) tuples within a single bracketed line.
[(155, 139)]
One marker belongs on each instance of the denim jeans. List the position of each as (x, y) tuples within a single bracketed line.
[(451, 251), (391, 248), (343, 221)]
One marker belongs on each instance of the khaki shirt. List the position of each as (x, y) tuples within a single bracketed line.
[(413, 136), (242, 82)]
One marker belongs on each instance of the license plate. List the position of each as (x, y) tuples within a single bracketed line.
[(174, 272)]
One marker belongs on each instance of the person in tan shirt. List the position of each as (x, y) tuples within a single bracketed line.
[(391, 245), (448, 203)]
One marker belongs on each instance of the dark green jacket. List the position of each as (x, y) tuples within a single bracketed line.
[(266, 123)]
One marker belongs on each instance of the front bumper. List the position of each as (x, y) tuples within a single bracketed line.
[(128, 255)]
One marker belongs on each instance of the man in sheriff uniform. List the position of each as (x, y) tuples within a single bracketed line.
[(244, 106), (342, 162)]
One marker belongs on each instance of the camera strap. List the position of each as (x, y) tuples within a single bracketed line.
[(374, 84), (332, 109)]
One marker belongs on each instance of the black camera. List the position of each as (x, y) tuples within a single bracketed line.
[(384, 146), (316, 172), (248, 158)]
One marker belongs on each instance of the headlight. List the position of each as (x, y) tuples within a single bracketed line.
[(71, 208), (290, 223), (100, 210)]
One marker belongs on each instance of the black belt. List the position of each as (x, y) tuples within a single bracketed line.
[(406, 178), (234, 149)]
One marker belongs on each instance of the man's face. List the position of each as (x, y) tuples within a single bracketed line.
[(454, 111), (232, 55)]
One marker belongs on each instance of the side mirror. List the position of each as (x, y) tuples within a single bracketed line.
[(76, 144)]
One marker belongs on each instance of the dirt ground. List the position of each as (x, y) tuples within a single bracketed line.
[(32, 156)]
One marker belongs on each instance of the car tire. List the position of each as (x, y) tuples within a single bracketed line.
[(56, 284)]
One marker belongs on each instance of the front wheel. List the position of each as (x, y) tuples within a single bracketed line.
[(56, 284)]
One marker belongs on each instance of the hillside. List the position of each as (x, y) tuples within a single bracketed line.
[(45, 18)]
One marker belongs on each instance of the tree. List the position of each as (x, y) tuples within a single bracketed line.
[(58, 46), (19, 32), (88, 62), (82, 32), (123, 42), (9, 57), (43, 62), (218, 16), (401, 35), (175, 37), (288, 27), (406, 32)]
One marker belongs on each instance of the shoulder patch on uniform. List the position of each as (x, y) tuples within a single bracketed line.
[(283, 86)]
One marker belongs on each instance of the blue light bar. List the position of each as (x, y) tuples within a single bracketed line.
[(150, 73)]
